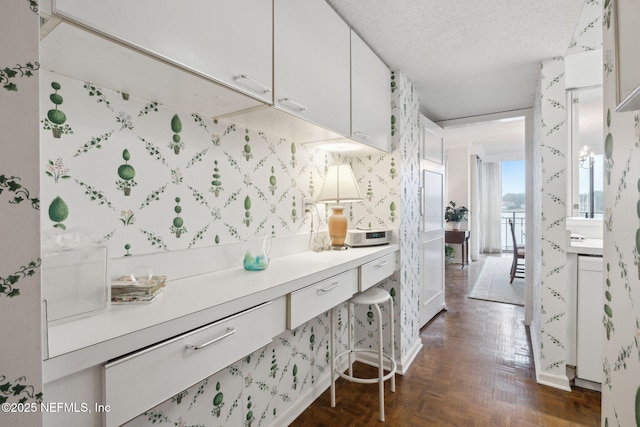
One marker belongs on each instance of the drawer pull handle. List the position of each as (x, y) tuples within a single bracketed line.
[(296, 104), (333, 286), (230, 331), (382, 264), (362, 135), (262, 86)]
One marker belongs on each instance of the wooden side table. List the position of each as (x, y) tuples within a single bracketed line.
[(461, 237)]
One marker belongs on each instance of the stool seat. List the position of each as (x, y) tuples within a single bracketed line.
[(373, 298)]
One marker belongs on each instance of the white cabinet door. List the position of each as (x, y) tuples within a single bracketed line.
[(370, 97), (432, 221), (311, 63), (228, 41), (590, 332)]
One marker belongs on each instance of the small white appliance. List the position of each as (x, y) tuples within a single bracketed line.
[(368, 237)]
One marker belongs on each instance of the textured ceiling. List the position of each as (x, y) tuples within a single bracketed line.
[(465, 57), (494, 140)]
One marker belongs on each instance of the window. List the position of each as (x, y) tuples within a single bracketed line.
[(513, 202)]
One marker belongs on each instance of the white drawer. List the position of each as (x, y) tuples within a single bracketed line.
[(312, 301), (139, 381), (377, 270)]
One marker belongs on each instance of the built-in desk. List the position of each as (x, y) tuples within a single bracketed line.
[(461, 237), (232, 308)]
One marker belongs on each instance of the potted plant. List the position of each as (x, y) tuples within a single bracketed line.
[(449, 253), (455, 214)]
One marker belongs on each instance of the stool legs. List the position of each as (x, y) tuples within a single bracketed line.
[(381, 356), (350, 336), (333, 358), (380, 362), (393, 343)]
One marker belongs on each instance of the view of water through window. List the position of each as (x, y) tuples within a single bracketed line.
[(513, 202)]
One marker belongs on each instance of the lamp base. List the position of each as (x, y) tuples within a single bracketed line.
[(338, 227)]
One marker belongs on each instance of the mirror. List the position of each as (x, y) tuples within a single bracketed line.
[(587, 153), (627, 32)]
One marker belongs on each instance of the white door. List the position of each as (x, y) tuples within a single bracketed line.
[(432, 221)]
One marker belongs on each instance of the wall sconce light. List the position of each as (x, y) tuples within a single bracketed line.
[(339, 186), (586, 158)]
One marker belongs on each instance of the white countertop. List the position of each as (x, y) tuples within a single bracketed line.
[(587, 247), (189, 303)]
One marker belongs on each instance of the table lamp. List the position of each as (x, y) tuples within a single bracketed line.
[(339, 186)]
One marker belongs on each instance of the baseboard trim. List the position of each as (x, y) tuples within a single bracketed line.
[(591, 385), (545, 378), (408, 358)]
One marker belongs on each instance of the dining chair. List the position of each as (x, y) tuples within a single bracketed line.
[(517, 269)]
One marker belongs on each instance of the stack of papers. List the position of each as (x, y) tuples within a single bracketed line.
[(125, 290)]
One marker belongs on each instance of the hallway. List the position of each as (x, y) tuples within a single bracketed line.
[(475, 369)]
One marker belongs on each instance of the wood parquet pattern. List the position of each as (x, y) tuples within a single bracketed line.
[(475, 369)]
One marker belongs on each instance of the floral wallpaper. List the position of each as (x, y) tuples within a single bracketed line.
[(551, 291), (20, 342), (262, 386), (145, 177), (621, 290), (400, 170)]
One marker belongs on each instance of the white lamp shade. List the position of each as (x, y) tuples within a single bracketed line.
[(340, 185)]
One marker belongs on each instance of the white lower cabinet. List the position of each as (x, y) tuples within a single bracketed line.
[(312, 301), (142, 380), (589, 324)]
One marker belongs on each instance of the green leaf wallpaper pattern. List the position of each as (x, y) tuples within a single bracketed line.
[(56, 118), (211, 186), (18, 391), (8, 75), (8, 286), (259, 388), (620, 312), (553, 291), (144, 178), (20, 194)]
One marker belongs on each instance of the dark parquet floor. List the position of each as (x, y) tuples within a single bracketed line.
[(475, 369)]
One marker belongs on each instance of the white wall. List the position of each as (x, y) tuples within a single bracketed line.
[(458, 176)]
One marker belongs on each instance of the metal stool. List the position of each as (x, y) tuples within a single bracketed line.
[(372, 297)]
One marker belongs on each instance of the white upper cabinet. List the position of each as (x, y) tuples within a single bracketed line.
[(311, 63), (370, 97), (226, 41)]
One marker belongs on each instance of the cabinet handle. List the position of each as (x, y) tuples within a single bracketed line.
[(362, 135), (296, 104), (262, 86), (333, 286), (421, 201), (382, 264), (230, 331)]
